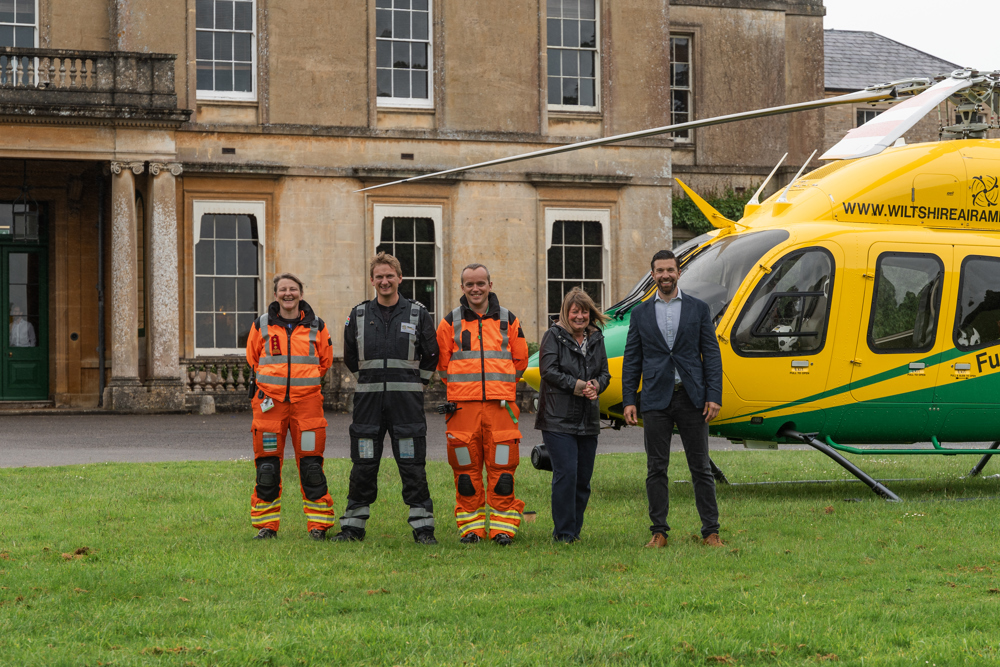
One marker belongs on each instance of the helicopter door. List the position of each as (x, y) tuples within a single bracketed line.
[(780, 340), (967, 394), (894, 366)]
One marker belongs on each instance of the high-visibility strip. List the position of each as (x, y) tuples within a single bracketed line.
[(411, 352), (316, 506), (359, 320), (261, 506), (417, 524), (356, 518), (508, 515), (369, 387), (443, 375), (370, 365), (456, 324), (264, 336), (326, 519), (469, 527), (259, 520), (462, 516), (486, 354), (284, 359), (404, 386), (426, 375), (294, 382), (488, 377), (402, 363), (504, 323), (502, 525), (313, 331)]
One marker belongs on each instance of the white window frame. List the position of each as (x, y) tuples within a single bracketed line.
[(220, 207), (601, 215), (410, 102), (597, 67), (36, 24), (690, 87), (436, 214), (865, 112), (231, 96)]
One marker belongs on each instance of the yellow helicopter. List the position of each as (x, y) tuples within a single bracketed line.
[(860, 305)]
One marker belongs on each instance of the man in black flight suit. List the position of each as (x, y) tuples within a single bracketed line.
[(391, 346)]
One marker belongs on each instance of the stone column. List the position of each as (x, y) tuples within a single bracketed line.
[(124, 384), (163, 335)]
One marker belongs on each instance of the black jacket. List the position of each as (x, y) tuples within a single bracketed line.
[(561, 364)]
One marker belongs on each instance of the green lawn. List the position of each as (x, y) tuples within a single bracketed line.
[(173, 578)]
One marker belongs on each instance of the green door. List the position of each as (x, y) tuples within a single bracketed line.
[(24, 368)]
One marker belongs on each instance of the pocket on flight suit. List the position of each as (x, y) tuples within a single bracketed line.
[(411, 440), (363, 441)]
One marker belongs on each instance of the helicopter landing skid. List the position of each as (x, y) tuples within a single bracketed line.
[(982, 462), (720, 476), (811, 440)]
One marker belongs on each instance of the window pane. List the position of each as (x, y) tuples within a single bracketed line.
[(7, 12), (420, 4), (245, 228), (204, 13), (588, 9), (554, 33), (587, 93), (207, 227), (24, 37), (388, 224), (907, 296), (246, 295), (424, 230), (553, 8), (247, 258), (6, 39), (574, 261), (679, 76), (401, 24), (204, 330), (244, 321), (419, 25), (405, 255), (592, 233), (594, 290), (574, 232), (555, 297), (419, 55), (592, 263), (383, 53), (225, 330), (587, 63), (204, 294), (383, 3), (425, 261), (225, 226), (570, 63), (571, 33), (242, 78), (555, 62), (223, 14), (205, 77), (977, 319), (383, 23), (400, 83), (555, 90), (204, 49), (204, 258), (242, 49), (680, 49), (402, 4), (384, 83), (555, 261), (225, 295), (243, 17), (223, 46), (223, 77), (571, 91), (404, 229), (571, 9), (680, 99), (557, 232), (423, 291), (225, 258), (401, 55), (588, 34), (419, 84)]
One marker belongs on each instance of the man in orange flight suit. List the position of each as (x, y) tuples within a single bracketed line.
[(482, 355), (289, 349)]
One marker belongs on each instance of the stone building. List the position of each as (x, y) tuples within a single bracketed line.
[(161, 160)]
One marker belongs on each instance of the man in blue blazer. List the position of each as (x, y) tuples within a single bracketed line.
[(672, 348)]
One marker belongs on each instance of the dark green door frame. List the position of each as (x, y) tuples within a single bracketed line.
[(24, 345)]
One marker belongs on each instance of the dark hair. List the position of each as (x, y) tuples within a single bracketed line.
[(663, 254)]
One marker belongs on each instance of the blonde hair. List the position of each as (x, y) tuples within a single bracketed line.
[(577, 297), (388, 260), (288, 276)]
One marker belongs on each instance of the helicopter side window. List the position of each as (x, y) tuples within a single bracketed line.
[(906, 303), (788, 311), (977, 318)]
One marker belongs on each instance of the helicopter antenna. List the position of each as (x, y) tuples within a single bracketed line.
[(784, 195), (756, 196)]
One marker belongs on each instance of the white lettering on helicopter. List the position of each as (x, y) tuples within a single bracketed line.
[(922, 212), (982, 358)]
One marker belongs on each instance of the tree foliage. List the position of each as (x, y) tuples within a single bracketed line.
[(730, 204)]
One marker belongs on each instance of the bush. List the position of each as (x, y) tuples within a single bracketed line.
[(730, 204)]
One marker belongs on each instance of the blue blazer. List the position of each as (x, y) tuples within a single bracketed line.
[(695, 355)]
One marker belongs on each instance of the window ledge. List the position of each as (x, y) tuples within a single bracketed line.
[(576, 115), (216, 102)]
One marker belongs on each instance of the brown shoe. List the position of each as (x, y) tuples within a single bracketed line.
[(713, 541), (658, 541)]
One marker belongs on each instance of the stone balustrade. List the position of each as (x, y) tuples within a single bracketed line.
[(115, 85)]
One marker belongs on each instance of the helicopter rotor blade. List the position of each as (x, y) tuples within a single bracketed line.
[(884, 129), (873, 94)]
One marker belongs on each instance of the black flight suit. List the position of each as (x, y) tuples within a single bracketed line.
[(392, 360)]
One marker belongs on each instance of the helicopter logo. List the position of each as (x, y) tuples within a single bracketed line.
[(985, 191)]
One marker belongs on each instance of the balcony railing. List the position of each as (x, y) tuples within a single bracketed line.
[(90, 84)]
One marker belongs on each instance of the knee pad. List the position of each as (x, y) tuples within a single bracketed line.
[(465, 487), (505, 485), (313, 479), (268, 478)]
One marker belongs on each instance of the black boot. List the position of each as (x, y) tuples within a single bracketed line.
[(349, 535), (265, 534), (424, 536)]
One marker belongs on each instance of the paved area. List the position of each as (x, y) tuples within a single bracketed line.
[(52, 440)]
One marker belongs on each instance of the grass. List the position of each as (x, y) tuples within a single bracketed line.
[(173, 578)]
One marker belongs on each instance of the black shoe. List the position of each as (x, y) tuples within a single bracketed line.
[(471, 538), (503, 540), (566, 539), (265, 534), (349, 535), (425, 537), (318, 534)]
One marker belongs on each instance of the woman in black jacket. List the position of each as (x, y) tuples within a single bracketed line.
[(574, 369)]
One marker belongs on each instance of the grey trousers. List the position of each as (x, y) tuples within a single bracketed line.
[(658, 426)]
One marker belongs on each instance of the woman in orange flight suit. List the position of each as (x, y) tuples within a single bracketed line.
[(289, 349)]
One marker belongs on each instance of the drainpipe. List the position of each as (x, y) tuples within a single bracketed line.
[(101, 185)]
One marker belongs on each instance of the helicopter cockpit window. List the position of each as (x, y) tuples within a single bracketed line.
[(788, 311), (716, 272), (977, 319), (906, 302)]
